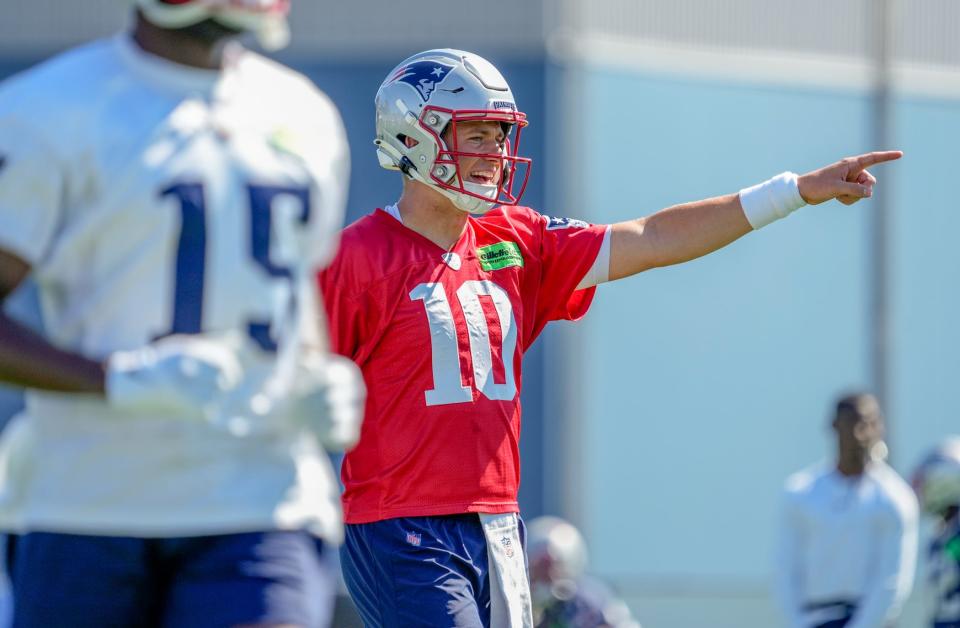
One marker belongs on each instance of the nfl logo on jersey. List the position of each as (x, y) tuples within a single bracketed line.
[(413, 538), (507, 546)]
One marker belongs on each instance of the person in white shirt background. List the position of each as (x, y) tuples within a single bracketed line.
[(848, 531), (173, 195)]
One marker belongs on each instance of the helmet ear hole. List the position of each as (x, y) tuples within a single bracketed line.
[(407, 141)]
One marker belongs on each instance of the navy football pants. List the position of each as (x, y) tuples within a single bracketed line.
[(419, 571)]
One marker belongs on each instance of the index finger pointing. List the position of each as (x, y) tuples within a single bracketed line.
[(878, 157)]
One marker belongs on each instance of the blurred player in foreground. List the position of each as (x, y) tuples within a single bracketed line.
[(848, 531), (173, 195), (563, 595), (438, 296), (937, 483)]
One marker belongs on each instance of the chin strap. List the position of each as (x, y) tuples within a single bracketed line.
[(173, 16), (392, 159), (271, 31)]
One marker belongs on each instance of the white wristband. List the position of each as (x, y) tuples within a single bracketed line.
[(771, 200)]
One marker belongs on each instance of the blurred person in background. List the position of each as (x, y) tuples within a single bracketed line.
[(437, 297), (937, 484), (848, 531), (173, 195), (563, 595)]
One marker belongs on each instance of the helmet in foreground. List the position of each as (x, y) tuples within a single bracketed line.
[(422, 101), (937, 479), (267, 19)]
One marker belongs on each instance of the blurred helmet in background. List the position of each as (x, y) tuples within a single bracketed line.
[(267, 19), (430, 93), (556, 550), (937, 479)]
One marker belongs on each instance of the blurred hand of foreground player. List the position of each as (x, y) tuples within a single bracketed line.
[(177, 374), (847, 180), (226, 383), (328, 398)]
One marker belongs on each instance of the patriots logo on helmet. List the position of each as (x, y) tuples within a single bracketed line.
[(424, 76)]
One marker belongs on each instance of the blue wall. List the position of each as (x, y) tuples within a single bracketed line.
[(926, 274), (706, 384)]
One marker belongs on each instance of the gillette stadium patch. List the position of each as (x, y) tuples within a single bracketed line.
[(499, 255)]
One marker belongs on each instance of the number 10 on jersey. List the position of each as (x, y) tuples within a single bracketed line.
[(447, 383)]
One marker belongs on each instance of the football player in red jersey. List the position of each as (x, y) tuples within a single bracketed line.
[(437, 297)]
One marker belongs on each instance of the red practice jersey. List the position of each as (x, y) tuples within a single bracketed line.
[(440, 337)]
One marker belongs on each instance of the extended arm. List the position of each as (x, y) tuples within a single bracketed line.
[(688, 231), (172, 373), (29, 360)]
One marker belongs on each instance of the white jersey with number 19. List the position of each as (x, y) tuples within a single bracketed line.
[(154, 199)]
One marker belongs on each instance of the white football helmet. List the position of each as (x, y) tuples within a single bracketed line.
[(937, 479), (430, 93), (267, 19), (556, 550)]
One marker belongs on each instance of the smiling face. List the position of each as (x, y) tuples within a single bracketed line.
[(479, 146)]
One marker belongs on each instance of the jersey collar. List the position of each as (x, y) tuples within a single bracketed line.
[(393, 221)]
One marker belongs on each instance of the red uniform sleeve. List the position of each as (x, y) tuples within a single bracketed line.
[(568, 249), (356, 313), (342, 311), (354, 317), (358, 295)]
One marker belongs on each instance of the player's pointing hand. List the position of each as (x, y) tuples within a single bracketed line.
[(846, 180)]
